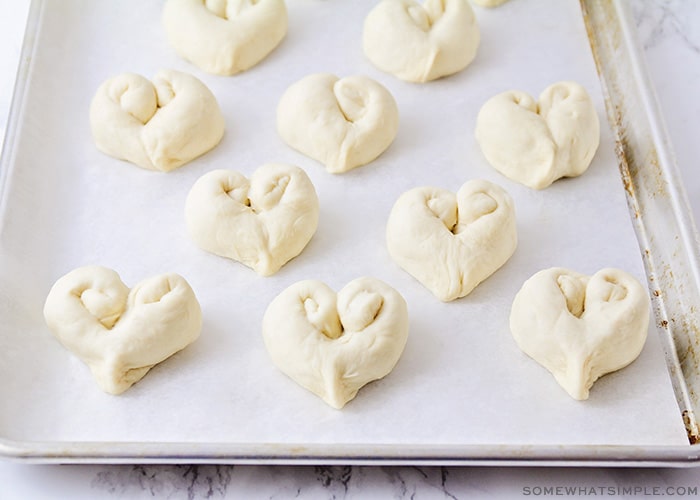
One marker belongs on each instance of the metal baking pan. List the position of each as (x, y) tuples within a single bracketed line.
[(462, 392)]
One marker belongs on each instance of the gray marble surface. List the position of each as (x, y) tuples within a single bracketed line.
[(335, 482), (669, 31)]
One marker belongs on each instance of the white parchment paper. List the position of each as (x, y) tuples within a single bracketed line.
[(461, 380)]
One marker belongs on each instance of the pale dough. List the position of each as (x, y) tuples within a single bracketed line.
[(580, 327), (537, 142), (452, 243), (340, 122), (120, 333), (158, 126), (224, 37), (333, 344), (418, 43), (262, 222), (489, 3)]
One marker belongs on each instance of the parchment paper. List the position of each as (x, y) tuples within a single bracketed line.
[(461, 380)]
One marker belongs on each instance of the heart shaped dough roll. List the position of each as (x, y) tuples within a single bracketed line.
[(263, 222), (333, 344), (452, 243), (580, 327), (419, 43), (120, 333), (343, 123), (224, 37), (158, 126), (537, 142)]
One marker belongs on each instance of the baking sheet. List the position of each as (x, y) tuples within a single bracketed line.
[(461, 380)]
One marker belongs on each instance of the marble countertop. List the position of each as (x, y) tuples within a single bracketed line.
[(669, 31)]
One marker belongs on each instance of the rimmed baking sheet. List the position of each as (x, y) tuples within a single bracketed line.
[(462, 383)]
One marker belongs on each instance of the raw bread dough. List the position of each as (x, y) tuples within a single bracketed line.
[(489, 3), (419, 43), (580, 327), (333, 344), (224, 37), (452, 243), (158, 126), (262, 223), (538, 142), (120, 333), (343, 123)]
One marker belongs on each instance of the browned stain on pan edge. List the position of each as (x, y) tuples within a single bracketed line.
[(691, 426)]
